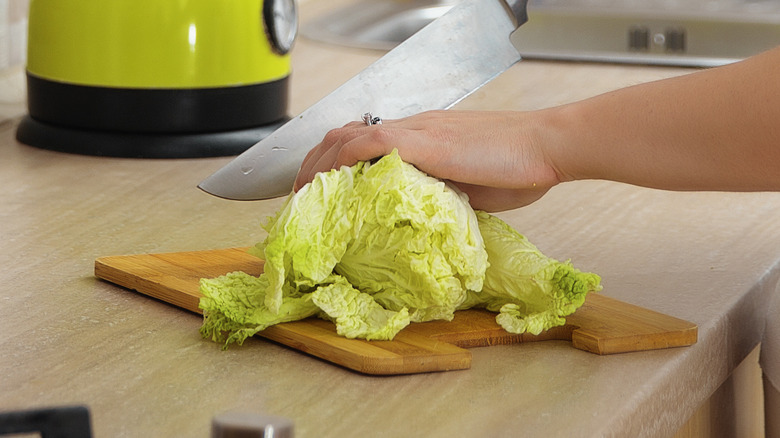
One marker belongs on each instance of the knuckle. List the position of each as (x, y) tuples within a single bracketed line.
[(380, 135), (333, 135)]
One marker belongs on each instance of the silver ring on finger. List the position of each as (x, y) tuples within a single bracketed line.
[(369, 119)]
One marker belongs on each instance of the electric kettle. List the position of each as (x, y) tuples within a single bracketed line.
[(156, 78)]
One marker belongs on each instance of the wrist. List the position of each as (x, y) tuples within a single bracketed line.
[(557, 139)]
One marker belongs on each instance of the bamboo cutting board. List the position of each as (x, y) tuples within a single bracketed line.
[(602, 325)]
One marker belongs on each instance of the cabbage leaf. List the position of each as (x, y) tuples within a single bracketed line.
[(531, 292)]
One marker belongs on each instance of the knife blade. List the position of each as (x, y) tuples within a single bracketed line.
[(435, 68)]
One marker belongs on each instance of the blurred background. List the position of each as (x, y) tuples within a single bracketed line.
[(693, 33), (13, 43)]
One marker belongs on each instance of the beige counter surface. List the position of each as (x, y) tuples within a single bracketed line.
[(143, 369)]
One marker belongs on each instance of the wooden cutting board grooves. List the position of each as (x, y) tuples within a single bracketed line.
[(602, 325)]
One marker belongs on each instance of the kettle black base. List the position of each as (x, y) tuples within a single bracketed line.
[(151, 122), (140, 145)]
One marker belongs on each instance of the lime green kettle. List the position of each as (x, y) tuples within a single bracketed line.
[(156, 78)]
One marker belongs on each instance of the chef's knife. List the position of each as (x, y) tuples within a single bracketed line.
[(433, 69)]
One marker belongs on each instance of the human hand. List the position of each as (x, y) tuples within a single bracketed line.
[(494, 157)]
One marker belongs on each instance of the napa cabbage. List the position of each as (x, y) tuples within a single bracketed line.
[(376, 246)]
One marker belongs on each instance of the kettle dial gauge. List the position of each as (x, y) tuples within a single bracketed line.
[(281, 23)]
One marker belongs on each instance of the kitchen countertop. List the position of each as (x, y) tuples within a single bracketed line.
[(143, 369)]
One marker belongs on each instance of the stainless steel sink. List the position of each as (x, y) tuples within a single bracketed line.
[(668, 32), (378, 24)]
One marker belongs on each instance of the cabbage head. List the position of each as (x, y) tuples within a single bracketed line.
[(376, 246)]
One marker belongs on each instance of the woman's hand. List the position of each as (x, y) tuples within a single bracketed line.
[(494, 157)]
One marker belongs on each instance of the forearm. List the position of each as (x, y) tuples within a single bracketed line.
[(717, 129)]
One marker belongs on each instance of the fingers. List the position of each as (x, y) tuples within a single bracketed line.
[(344, 146), (321, 157), (333, 139), (421, 139)]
